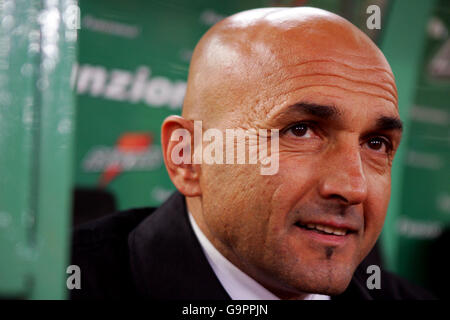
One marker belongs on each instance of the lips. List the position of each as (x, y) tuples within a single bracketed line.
[(327, 228)]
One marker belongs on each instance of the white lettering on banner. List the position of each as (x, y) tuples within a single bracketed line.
[(419, 229), (91, 80), (443, 202), (112, 27), (100, 158), (123, 85)]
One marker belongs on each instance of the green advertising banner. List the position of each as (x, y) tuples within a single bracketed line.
[(425, 202)]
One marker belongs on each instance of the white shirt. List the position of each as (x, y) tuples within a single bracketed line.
[(237, 284)]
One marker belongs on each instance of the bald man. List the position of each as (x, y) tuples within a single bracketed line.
[(321, 94)]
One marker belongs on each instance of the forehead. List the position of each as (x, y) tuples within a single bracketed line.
[(347, 80), (354, 80)]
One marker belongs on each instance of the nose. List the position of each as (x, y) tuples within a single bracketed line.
[(343, 178)]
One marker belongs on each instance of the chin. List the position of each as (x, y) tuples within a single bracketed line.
[(336, 287), (329, 280)]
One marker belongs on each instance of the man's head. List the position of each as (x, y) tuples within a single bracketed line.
[(331, 94)]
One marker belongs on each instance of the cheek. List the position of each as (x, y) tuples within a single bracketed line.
[(294, 182), (236, 202), (375, 207), (295, 179)]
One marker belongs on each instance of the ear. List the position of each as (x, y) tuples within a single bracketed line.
[(177, 142)]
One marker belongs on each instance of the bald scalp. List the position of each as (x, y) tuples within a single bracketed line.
[(242, 60)]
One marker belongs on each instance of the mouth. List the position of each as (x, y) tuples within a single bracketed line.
[(324, 229), (329, 234)]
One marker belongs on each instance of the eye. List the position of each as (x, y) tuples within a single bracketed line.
[(299, 129), (379, 144)]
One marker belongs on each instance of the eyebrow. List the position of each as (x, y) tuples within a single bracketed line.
[(330, 112), (320, 111), (389, 123)]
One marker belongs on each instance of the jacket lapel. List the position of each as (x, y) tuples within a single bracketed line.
[(167, 261)]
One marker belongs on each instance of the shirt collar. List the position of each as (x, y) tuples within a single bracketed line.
[(237, 284)]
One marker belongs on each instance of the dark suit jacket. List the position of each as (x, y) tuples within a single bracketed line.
[(154, 254)]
